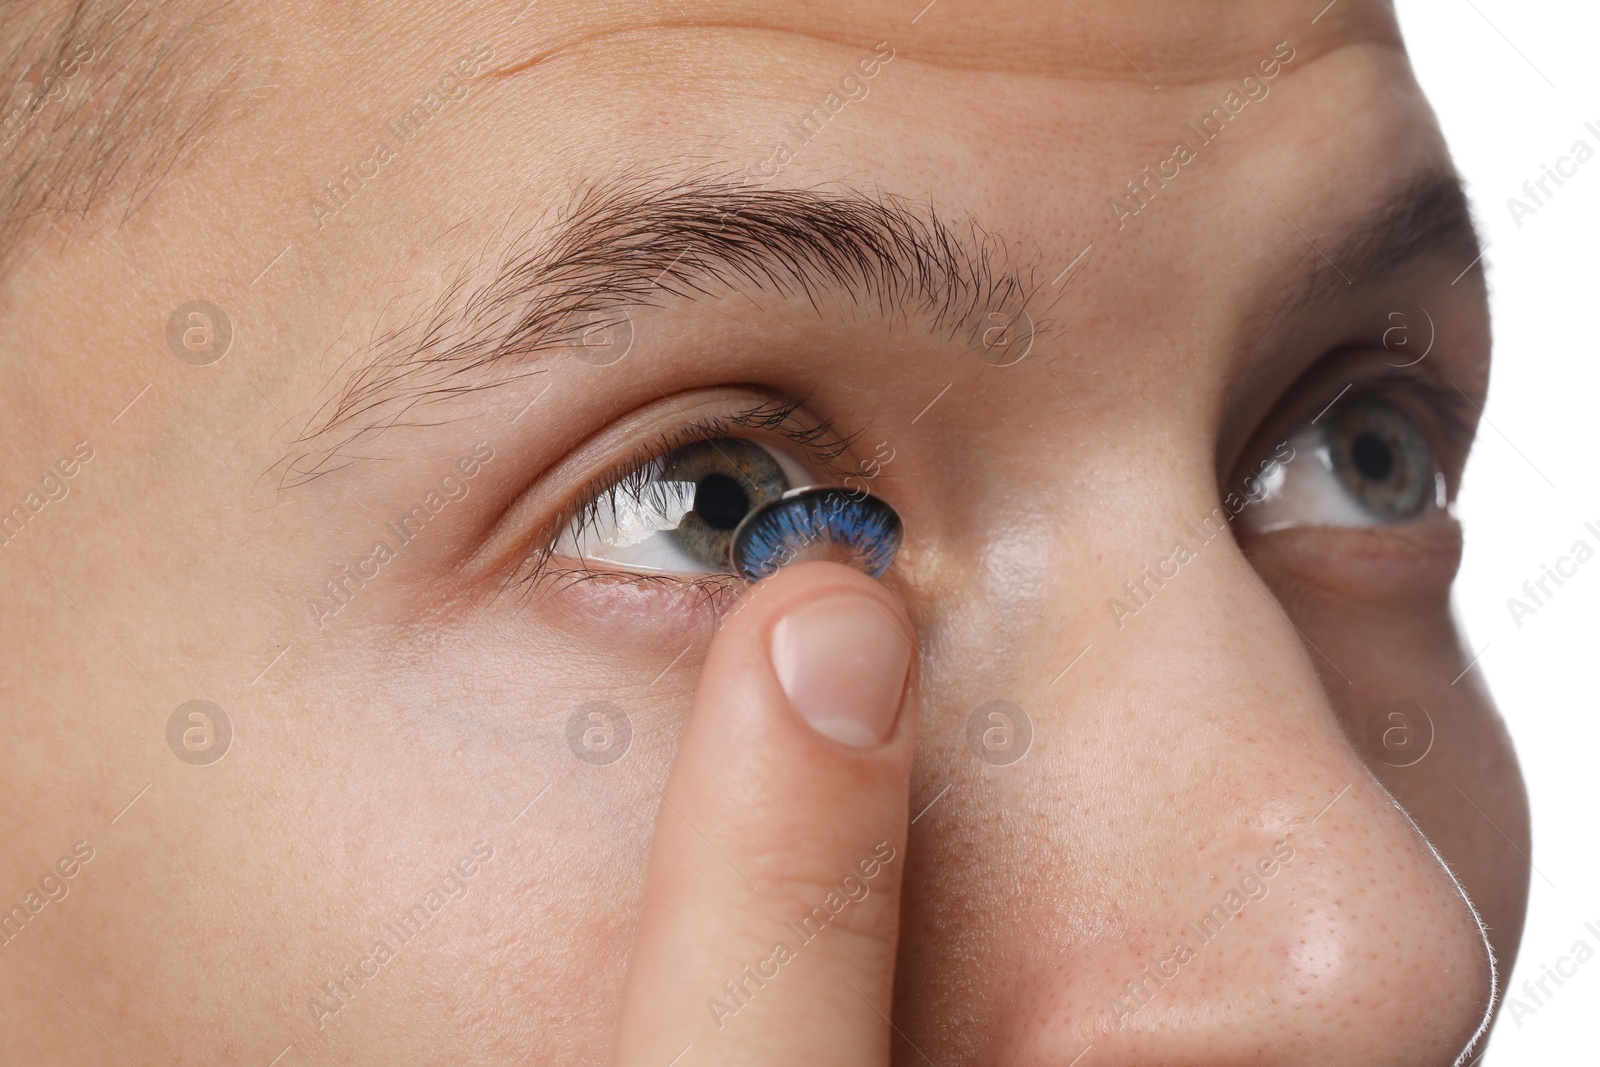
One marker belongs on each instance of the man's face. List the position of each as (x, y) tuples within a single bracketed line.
[(1119, 305)]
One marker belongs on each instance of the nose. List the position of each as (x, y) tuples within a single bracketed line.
[(1191, 866), (1333, 938)]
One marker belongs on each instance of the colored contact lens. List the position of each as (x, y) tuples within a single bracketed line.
[(816, 523)]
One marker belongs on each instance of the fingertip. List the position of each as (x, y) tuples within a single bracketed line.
[(841, 648)]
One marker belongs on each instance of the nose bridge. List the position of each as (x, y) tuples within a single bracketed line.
[(1261, 895)]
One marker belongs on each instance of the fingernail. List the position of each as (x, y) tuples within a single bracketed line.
[(842, 663)]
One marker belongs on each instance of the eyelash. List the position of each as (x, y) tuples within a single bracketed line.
[(1447, 416), (1453, 413), (1446, 400), (819, 441)]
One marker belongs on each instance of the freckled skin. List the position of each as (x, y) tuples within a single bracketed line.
[(372, 753)]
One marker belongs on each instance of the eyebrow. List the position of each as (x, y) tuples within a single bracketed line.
[(1427, 216), (91, 117), (640, 242)]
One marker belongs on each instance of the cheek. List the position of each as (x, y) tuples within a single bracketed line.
[(462, 733)]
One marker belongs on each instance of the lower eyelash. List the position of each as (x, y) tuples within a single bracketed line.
[(684, 602), (558, 576)]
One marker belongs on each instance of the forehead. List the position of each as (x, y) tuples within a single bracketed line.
[(1027, 115), (284, 101), (730, 81)]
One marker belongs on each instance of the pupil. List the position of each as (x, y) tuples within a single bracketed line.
[(720, 501), (1372, 456)]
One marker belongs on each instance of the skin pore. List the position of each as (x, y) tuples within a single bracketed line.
[(416, 338)]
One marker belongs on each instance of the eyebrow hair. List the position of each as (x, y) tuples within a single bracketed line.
[(640, 242), (1428, 215), (103, 98)]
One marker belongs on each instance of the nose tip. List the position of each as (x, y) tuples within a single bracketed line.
[(1344, 941)]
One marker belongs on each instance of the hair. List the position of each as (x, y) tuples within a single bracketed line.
[(100, 104)]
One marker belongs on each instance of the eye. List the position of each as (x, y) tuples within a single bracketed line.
[(676, 514), (1367, 463), (1383, 460)]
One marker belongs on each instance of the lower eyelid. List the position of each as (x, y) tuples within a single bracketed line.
[(1390, 567), (664, 604)]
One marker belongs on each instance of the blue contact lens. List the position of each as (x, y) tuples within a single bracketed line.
[(816, 523)]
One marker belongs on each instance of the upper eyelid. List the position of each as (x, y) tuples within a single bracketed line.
[(1446, 403), (1447, 415)]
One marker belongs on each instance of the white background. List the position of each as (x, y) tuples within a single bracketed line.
[(1513, 82)]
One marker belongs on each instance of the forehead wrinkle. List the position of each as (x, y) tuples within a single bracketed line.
[(1206, 41), (644, 241)]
